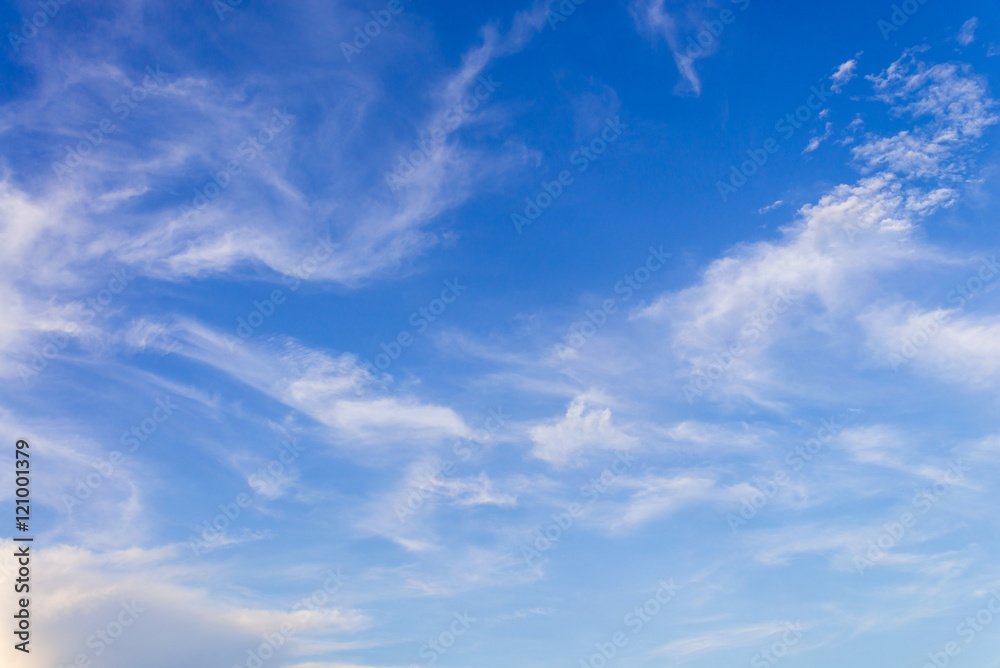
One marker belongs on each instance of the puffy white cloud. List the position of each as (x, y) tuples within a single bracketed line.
[(582, 429)]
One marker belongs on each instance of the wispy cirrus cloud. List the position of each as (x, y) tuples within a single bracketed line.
[(967, 35), (692, 31)]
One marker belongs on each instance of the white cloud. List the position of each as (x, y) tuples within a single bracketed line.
[(816, 257), (369, 419), (814, 142), (959, 347), (477, 491), (582, 429), (407, 514), (828, 261), (956, 99), (967, 35), (843, 75), (874, 444), (960, 111), (335, 391), (655, 496), (85, 591), (770, 207), (264, 222), (652, 17)]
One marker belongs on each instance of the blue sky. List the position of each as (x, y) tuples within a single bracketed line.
[(644, 333)]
